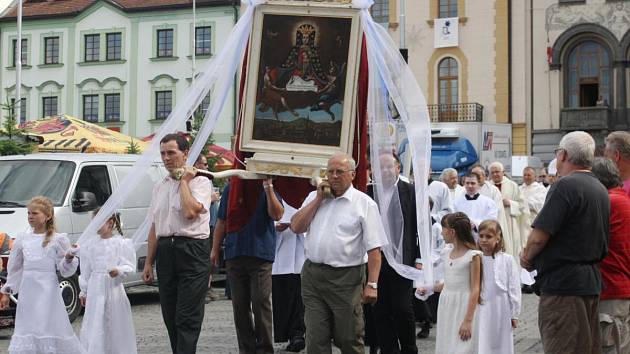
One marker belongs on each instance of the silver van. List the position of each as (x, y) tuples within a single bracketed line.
[(77, 184)]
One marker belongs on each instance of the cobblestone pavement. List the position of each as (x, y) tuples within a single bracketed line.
[(218, 334)]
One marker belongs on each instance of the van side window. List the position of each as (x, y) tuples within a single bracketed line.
[(95, 179)]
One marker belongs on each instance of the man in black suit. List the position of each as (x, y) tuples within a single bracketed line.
[(393, 312)]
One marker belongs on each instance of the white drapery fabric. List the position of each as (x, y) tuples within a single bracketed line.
[(391, 78), (215, 77)]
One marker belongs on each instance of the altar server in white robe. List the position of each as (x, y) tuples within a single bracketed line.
[(288, 309), (515, 208), (534, 193), (477, 206)]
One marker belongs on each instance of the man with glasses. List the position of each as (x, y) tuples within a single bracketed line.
[(618, 150), (343, 233), (568, 240)]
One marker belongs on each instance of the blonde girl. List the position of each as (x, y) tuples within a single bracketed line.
[(107, 324), (41, 321), (501, 292), (457, 329)]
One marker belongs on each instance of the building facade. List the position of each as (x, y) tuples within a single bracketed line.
[(121, 64), (580, 67), (473, 75)]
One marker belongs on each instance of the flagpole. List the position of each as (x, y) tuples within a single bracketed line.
[(194, 40), (18, 65)]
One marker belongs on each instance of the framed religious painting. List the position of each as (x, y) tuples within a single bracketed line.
[(299, 103)]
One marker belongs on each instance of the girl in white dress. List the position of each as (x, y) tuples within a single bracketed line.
[(41, 321), (457, 327), (107, 326), (501, 292)]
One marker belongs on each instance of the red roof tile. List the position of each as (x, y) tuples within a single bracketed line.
[(35, 9)]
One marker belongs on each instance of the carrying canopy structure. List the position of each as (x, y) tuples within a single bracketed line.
[(389, 79), (64, 133)]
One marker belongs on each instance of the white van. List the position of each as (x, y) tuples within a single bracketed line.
[(76, 184)]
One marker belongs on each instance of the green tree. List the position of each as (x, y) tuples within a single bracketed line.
[(133, 148), (212, 161), (13, 140)]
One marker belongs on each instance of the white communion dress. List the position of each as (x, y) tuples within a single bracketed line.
[(453, 305), (501, 302), (107, 324), (41, 320)]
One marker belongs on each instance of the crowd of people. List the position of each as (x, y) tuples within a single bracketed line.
[(320, 275)]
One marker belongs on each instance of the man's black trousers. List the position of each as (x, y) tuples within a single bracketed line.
[(183, 266), (393, 312)]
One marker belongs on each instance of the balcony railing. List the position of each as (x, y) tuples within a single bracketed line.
[(585, 118), (459, 112)]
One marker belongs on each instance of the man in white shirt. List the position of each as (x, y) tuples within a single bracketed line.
[(178, 242), (450, 177), (515, 209), (478, 207), (534, 193), (343, 233)]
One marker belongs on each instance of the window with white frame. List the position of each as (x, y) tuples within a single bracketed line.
[(90, 108), (163, 104), (448, 8), (203, 107), (380, 11), (203, 40), (49, 106), (51, 50), (112, 107), (22, 117), (23, 54), (114, 46), (92, 47), (165, 43)]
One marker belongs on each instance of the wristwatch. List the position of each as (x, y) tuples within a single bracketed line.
[(372, 285)]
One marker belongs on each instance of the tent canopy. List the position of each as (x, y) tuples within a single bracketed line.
[(64, 133)]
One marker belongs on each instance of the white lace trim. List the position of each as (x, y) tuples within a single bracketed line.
[(34, 344)]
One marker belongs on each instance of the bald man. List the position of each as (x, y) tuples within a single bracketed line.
[(515, 210), (533, 191)]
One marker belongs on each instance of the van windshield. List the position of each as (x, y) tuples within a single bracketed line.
[(21, 180)]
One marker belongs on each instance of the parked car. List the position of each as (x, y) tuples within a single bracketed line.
[(76, 184)]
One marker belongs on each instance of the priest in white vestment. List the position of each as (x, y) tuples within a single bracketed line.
[(450, 177), (515, 208), (477, 206), (534, 193)]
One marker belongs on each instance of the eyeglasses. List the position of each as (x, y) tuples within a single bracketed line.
[(337, 172), (555, 151)]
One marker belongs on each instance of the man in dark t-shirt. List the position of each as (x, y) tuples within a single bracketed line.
[(569, 238)]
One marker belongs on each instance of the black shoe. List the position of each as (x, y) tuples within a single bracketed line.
[(527, 289), (296, 344), (424, 332)]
